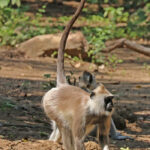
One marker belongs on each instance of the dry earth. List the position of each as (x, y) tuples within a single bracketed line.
[(23, 124)]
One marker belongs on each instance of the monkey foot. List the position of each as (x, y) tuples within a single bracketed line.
[(119, 136)]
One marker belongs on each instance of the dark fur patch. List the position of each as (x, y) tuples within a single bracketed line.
[(88, 76), (92, 94), (108, 103)]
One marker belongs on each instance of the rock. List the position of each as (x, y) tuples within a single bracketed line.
[(131, 117), (119, 121), (127, 114), (45, 45)]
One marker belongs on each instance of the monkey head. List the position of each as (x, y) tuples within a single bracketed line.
[(101, 101), (87, 81)]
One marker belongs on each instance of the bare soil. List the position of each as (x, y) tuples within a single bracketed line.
[(23, 125)]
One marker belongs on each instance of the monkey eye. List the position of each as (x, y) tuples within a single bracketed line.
[(92, 94), (108, 99)]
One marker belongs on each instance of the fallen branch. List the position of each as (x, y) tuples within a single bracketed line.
[(137, 47), (129, 44), (114, 45)]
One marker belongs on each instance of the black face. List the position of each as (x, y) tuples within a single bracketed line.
[(87, 79), (87, 76), (108, 103)]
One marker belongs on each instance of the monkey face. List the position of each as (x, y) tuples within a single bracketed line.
[(87, 81), (108, 103), (101, 100)]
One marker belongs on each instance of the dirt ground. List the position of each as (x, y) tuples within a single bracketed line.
[(23, 124)]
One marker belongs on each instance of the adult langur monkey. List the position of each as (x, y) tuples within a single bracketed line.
[(73, 111)]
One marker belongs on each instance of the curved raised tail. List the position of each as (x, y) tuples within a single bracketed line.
[(61, 78)]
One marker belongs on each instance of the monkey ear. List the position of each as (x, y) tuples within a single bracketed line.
[(92, 94)]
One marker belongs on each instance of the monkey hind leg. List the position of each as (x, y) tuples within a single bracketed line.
[(103, 133), (79, 132), (119, 136), (55, 135), (67, 138), (116, 135)]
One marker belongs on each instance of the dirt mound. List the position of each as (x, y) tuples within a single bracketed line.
[(40, 144), (45, 45)]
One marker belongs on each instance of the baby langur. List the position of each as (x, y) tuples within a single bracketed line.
[(87, 82)]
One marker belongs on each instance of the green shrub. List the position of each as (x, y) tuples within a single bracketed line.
[(5, 3)]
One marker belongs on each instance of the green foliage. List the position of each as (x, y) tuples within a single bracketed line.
[(42, 134), (112, 61), (15, 27), (75, 58), (67, 56), (146, 66), (54, 54), (137, 26), (25, 85), (64, 19), (5, 3), (134, 4), (97, 37), (16, 2), (139, 23), (97, 19), (116, 14), (7, 105), (47, 76), (40, 13), (10, 23)]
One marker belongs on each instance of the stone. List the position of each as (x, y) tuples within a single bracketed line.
[(119, 121), (45, 45)]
